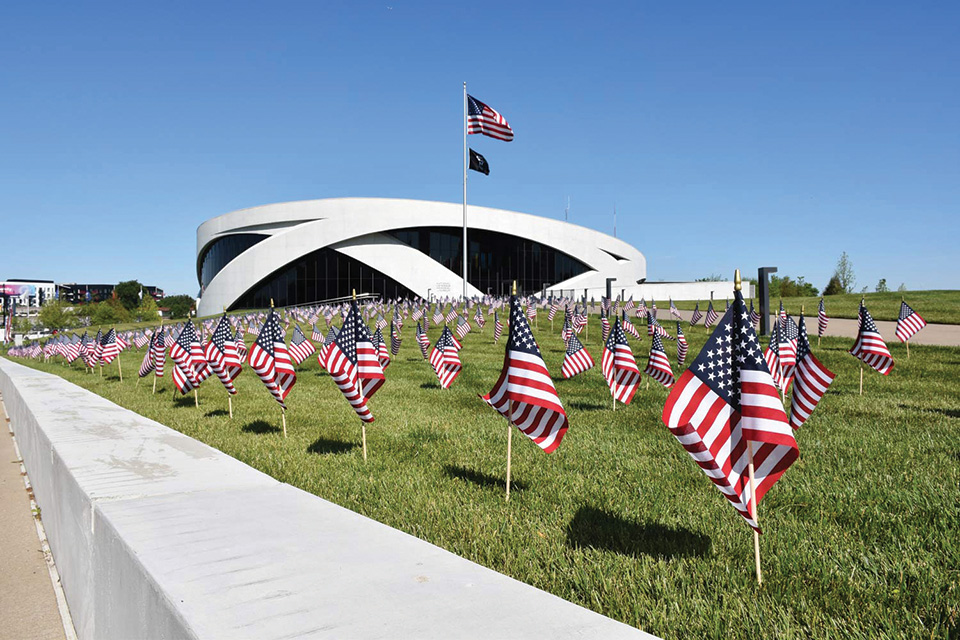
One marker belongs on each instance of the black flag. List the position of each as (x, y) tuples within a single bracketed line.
[(479, 163)]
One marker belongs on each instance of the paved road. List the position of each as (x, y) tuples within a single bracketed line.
[(28, 606), (947, 335)]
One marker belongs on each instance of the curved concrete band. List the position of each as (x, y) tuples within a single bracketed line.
[(157, 535)]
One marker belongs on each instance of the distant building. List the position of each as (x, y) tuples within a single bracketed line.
[(78, 293), (28, 293)]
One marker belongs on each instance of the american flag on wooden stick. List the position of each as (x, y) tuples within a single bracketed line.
[(423, 341), (270, 359), (497, 327), (327, 341), (870, 347), (822, 320), (658, 366), (682, 346), (725, 406), (695, 318), (576, 360), (445, 358), (524, 393), (383, 354), (300, 347), (811, 381), (109, 349), (221, 354), (673, 310), (909, 322), (395, 339), (619, 366), (712, 316)]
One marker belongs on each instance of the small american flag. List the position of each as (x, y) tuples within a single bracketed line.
[(754, 316), (576, 360), (682, 346), (342, 361), (221, 354), (524, 393), (300, 347), (604, 328), (658, 366), (451, 315), (270, 360), (395, 340), (909, 322), (497, 327), (619, 366), (423, 341), (159, 350), (870, 347), (383, 355), (726, 402), (782, 376), (109, 349), (445, 359), (629, 328), (822, 320), (566, 332), (331, 336), (695, 318), (673, 310), (483, 119), (478, 317), (811, 382), (315, 334), (463, 327), (712, 316)]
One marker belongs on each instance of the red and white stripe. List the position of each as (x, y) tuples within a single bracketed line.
[(811, 382), (577, 362), (621, 372)]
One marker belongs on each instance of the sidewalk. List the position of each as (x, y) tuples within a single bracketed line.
[(28, 606)]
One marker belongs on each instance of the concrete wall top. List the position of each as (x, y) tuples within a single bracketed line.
[(157, 535)]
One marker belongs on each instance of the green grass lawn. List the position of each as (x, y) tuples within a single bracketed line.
[(934, 306), (861, 536)]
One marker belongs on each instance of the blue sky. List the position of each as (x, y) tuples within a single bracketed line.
[(726, 134)]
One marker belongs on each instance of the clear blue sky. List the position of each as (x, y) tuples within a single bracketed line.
[(726, 134)]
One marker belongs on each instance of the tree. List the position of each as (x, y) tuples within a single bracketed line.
[(786, 287), (833, 287), (180, 306), (128, 292), (882, 286), (845, 273), (147, 309), (109, 312), (902, 287), (57, 316)]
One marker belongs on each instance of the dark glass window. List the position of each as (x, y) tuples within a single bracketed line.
[(221, 251), (321, 275), (496, 259)]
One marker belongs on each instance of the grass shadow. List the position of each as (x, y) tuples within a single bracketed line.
[(430, 385), (482, 479), (324, 446), (217, 412), (184, 401), (260, 426), (580, 405), (950, 413), (597, 529)]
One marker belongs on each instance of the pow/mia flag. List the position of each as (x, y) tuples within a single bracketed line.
[(479, 163)]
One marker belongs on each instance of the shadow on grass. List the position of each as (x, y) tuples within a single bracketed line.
[(579, 405), (217, 412), (260, 426), (184, 401), (482, 479), (950, 413), (598, 529), (324, 446), (430, 385)]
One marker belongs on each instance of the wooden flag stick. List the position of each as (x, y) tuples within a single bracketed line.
[(509, 455), (119, 368), (753, 513), (861, 378), (907, 342), (363, 438), (196, 397), (283, 418), (230, 405), (154, 384)]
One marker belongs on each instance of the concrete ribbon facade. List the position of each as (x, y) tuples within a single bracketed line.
[(356, 226), (157, 535)]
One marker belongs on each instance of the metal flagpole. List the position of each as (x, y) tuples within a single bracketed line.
[(464, 190)]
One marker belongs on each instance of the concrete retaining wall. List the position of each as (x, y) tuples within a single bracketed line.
[(157, 535)]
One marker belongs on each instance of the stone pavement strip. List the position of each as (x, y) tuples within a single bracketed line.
[(28, 604)]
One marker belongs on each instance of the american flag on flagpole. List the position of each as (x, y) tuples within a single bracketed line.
[(870, 347), (483, 119), (909, 322), (524, 393), (811, 380), (726, 405)]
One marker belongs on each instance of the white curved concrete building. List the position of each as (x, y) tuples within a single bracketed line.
[(303, 252)]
